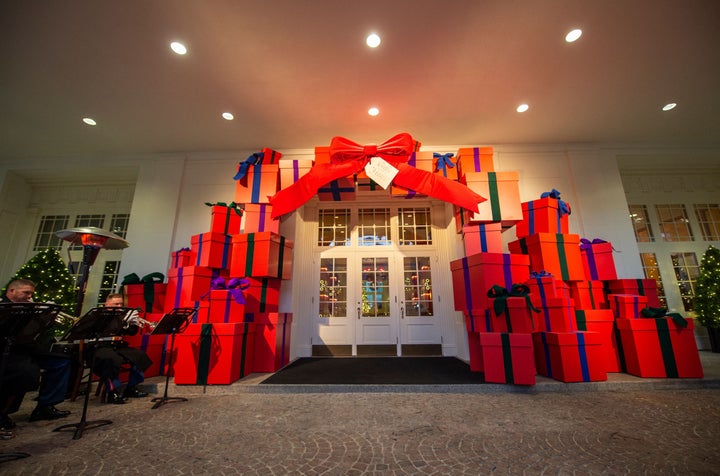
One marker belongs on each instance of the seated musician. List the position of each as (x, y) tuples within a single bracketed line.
[(22, 372), (110, 356)]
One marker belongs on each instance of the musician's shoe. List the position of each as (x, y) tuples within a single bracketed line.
[(115, 398), (6, 423), (6, 434), (47, 412), (134, 392)]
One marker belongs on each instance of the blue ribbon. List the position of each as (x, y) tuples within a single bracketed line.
[(253, 159), (563, 207), (444, 162), (540, 274)]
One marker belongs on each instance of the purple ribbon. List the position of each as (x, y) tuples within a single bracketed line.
[(296, 171), (236, 286), (586, 244)]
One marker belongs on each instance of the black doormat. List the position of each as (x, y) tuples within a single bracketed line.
[(376, 370)]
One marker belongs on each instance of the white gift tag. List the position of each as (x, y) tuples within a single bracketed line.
[(380, 171)]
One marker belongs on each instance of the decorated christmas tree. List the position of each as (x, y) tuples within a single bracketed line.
[(53, 283), (707, 292)]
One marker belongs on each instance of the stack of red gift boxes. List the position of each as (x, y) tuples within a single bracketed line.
[(589, 322)]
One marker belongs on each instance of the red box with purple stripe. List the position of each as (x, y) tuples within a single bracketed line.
[(474, 275)]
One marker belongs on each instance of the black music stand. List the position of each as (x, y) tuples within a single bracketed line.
[(171, 323), (96, 323), (22, 323)]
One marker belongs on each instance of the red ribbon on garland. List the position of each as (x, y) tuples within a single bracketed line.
[(348, 158)]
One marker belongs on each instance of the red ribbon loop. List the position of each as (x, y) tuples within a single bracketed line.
[(396, 149)]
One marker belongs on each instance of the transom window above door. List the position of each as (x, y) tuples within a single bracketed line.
[(373, 226)]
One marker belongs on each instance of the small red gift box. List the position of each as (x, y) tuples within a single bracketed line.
[(261, 255), (569, 356), (263, 295), (627, 306), (149, 297), (272, 340), (473, 275), (187, 285), (224, 307), (214, 354), (543, 286), (640, 287), (503, 197), (516, 317), (261, 180), (557, 254), (508, 358), (421, 161), (212, 250), (181, 257), (541, 216), (474, 159), (598, 261), (292, 170), (482, 238), (659, 348), (588, 294), (338, 190), (257, 218), (560, 315), (225, 219), (602, 322)]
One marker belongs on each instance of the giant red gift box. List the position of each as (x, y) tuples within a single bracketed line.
[(570, 356), (225, 219), (224, 307), (659, 348), (641, 287), (516, 317), (272, 340), (602, 322), (588, 294), (503, 197), (214, 354), (557, 254), (421, 161), (261, 255), (135, 296), (627, 306), (598, 262), (508, 357), (474, 275), (342, 189), (257, 218), (476, 320), (263, 295), (541, 216), (261, 180), (212, 250), (482, 238), (187, 285), (475, 352), (558, 315), (181, 257), (292, 170), (474, 159)]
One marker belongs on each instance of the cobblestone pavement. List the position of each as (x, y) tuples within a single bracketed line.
[(604, 431)]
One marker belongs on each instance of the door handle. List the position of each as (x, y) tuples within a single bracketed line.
[(402, 310), (358, 310)]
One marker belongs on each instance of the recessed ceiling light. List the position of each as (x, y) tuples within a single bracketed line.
[(522, 108), (89, 121), (373, 111), (669, 106), (178, 47), (573, 35), (228, 116), (373, 40)]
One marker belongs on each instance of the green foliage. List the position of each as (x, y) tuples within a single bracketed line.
[(707, 289), (54, 283)]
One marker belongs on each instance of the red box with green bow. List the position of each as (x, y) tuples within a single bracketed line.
[(508, 358), (147, 293), (512, 309)]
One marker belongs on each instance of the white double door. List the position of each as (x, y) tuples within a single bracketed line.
[(375, 298)]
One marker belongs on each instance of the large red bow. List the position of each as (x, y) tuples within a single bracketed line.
[(348, 158)]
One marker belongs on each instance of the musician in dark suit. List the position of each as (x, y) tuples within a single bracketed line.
[(110, 356), (22, 373)]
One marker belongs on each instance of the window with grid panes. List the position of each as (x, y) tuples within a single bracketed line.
[(109, 279), (708, 217), (686, 274), (415, 227), (119, 223), (674, 223), (652, 271), (417, 282), (374, 227), (334, 227), (46, 238), (333, 287), (641, 224)]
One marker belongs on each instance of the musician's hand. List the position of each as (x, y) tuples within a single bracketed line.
[(131, 330)]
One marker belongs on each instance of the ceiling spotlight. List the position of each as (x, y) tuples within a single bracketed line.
[(373, 111), (89, 121), (669, 106), (373, 40), (178, 47), (573, 35), (228, 116), (522, 108)]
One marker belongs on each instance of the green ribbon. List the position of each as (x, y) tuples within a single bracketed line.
[(657, 312), (663, 332), (500, 296), (250, 254), (232, 206), (203, 365), (507, 357), (581, 319), (148, 281), (563, 257), (494, 196)]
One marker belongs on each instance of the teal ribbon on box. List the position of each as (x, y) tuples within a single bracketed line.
[(658, 312), (148, 281), (500, 296)]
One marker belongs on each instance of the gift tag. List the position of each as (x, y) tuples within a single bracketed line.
[(380, 171)]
